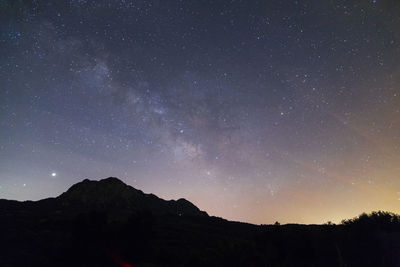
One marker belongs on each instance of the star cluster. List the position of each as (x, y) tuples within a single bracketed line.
[(254, 110)]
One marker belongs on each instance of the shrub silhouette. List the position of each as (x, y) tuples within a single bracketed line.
[(377, 220)]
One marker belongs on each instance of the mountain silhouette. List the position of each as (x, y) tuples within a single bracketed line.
[(109, 223), (111, 194)]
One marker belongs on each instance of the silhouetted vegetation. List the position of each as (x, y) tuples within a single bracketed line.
[(101, 224), (377, 220)]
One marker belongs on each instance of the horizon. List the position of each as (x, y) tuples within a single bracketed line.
[(214, 215), (255, 111)]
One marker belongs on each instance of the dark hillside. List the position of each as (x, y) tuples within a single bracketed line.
[(108, 223)]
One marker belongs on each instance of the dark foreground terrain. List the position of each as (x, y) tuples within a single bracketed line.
[(108, 223)]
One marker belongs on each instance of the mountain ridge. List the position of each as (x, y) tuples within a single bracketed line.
[(109, 223), (112, 194)]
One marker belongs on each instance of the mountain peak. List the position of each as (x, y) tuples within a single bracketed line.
[(112, 180), (113, 194)]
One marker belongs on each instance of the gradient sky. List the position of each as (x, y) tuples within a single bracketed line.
[(257, 111)]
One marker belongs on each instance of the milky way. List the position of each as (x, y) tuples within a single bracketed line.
[(257, 111)]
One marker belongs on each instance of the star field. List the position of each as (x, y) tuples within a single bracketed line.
[(257, 111)]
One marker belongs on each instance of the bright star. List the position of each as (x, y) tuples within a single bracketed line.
[(53, 174)]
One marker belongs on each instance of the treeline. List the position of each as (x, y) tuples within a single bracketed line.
[(378, 220)]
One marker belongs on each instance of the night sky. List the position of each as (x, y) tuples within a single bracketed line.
[(257, 111)]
